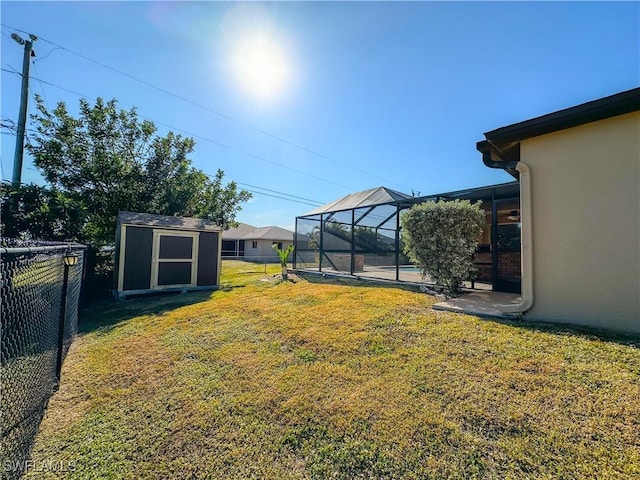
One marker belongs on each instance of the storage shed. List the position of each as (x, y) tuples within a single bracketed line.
[(160, 253)]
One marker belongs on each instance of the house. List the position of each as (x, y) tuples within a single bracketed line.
[(579, 173), (232, 241), (255, 243)]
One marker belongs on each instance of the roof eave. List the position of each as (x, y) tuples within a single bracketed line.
[(495, 157), (603, 108)]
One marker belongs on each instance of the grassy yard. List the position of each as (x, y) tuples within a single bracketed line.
[(265, 379)]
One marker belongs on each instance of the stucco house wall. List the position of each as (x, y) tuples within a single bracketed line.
[(263, 237), (586, 223), (264, 251)]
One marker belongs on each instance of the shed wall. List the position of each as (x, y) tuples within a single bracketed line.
[(137, 258), (208, 259)]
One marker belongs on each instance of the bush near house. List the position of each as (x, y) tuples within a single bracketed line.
[(440, 237), (316, 380)]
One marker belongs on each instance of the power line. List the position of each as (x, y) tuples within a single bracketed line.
[(220, 144), (281, 198), (15, 72), (275, 191), (41, 86), (208, 109), (294, 198), (281, 195), (12, 70), (50, 52), (19, 74), (249, 154)]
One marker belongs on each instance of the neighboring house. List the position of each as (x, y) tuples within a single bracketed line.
[(579, 172), (255, 243), (232, 240)]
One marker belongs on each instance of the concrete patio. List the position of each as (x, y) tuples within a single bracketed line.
[(481, 303)]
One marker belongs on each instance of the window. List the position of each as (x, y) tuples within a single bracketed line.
[(254, 244), (509, 237), (279, 244)]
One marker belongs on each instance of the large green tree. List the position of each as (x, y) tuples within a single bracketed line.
[(35, 212), (108, 160)]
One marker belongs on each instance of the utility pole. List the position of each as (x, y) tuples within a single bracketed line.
[(24, 96)]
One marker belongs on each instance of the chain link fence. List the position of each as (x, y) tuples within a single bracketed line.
[(41, 294)]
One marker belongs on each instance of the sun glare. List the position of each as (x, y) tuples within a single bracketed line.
[(261, 67)]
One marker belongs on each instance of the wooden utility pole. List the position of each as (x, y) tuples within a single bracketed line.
[(16, 179)]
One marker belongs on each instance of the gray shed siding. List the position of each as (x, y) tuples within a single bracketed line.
[(137, 258), (208, 259)]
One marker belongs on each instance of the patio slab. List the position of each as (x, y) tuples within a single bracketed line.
[(482, 304)]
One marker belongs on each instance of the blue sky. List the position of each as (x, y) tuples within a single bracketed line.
[(373, 93)]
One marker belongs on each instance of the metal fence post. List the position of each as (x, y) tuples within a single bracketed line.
[(61, 322), (82, 300)]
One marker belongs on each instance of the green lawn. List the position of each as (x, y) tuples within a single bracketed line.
[(312, 379)]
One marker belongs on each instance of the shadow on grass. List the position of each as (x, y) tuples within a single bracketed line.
[(564, 329), (104, 315), (571, 330), (354, 281)]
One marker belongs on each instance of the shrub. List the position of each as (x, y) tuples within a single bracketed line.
[(441, 238), (283, 254)]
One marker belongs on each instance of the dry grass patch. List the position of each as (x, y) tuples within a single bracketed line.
[(268, 379)]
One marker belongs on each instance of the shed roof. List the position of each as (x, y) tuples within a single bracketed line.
[(366, 198), (165, 221)]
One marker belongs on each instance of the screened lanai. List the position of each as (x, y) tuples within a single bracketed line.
[(360, 235)]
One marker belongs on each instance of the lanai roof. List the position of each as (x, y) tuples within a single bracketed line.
[(366, 198), (499, 191)]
